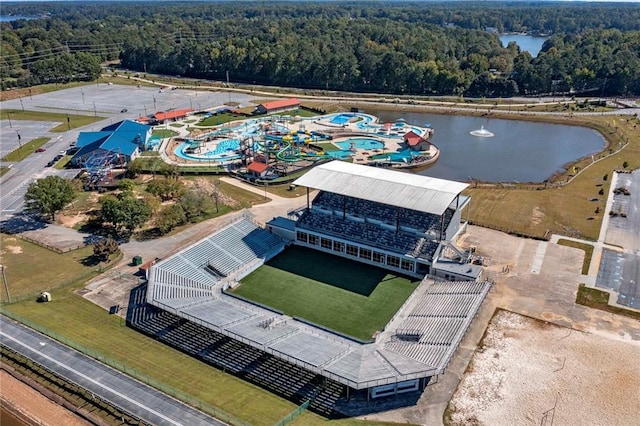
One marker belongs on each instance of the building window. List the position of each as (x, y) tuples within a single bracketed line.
[(313, 239), (365, 253), (393, 261), (338, 246), (407, 265), (302, 236), (352, 250), (325, 243), (378, 257)]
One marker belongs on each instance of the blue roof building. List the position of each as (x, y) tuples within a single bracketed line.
[(123, 141)]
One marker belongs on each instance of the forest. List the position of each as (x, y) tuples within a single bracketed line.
[(402, 48)]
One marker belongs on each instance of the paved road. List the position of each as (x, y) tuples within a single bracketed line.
[(118, 389)]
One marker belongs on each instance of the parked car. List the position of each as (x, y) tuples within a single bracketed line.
[(40, 150), (51, 163)]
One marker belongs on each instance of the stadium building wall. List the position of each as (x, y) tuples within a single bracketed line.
[(360, 252)]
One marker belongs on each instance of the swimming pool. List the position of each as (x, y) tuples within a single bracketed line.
[(225, 150), (342, 119), (360, 143)]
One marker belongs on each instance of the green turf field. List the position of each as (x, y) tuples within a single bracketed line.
[(344, 295)]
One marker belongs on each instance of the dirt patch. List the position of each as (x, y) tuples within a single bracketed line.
[(31, 405), (529, 372), (13, 249), (72, 220), (537, 216), (208, 186)]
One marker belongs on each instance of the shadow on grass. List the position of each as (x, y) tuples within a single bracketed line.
[(328, 269)]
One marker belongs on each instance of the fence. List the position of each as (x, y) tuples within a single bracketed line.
[(298, 411), (48, 247), (153, 382)]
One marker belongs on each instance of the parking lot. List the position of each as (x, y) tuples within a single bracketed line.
[(108, 100), (620, 271)]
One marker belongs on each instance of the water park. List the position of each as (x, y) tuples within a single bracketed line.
[(275, 146)]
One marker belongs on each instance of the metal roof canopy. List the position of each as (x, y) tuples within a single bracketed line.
[(410, 191)]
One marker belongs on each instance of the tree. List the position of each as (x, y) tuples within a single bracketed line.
[(104, 248), (48, 196), (126, 185), (170, 217), (124, 213), (166, 189), (194, 203)]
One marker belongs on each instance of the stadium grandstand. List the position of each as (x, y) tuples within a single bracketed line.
[(400, 222)]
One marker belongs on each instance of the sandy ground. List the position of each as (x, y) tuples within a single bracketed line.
[(33, 405), (526, 367)]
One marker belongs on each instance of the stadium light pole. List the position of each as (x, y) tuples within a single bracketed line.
[(4, 280)]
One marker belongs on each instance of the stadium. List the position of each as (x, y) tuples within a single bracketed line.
[(351, 304)]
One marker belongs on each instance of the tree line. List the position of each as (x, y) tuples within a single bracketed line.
[(399, 48)]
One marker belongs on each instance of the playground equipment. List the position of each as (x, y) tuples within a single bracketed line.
[(99, 166)]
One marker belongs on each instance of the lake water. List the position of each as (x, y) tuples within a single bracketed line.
[(9, 18), (526, 42), (520, 151)]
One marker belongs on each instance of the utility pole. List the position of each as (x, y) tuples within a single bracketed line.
[(9, 118), (6, 284), (21, 104), (228, 87)]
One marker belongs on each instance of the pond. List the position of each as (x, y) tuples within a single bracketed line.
[(519, 151), (525, 42)]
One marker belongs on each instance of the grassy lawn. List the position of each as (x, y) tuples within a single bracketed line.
[(215, 120), (588, 252), (75, 121), (31, 269), (598, 299), (244, 199), (176, 125), (164, 133), (4, 170), (62, 163), (25, 150), (344, 295), (566, 210)]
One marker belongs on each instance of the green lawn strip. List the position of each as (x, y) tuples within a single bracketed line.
[(164, 133), (176, 125), (74, 122), (25, 150), (150, 154), (62, 163), (244, 198), (343, 295), (588, 252), (224, 117), (31, 269), (4, 170), (599, 299)]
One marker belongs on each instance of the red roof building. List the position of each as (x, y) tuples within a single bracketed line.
[(257, 168), (279, 105), (415, 141), (163, 117)]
